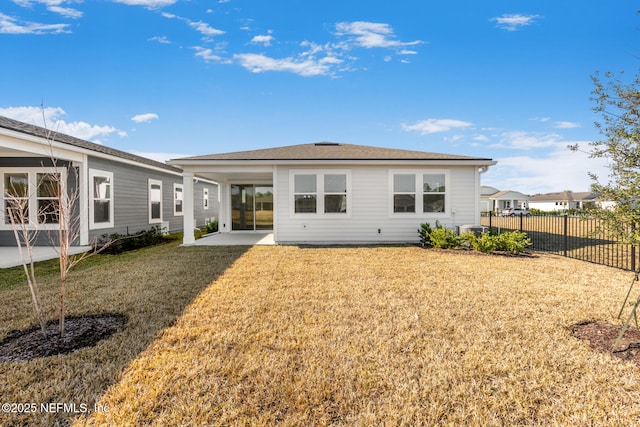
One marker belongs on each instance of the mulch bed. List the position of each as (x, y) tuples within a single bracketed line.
[(80, 332), (602, 336)]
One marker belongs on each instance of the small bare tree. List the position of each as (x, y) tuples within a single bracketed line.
[(16, 197), (59, 212)]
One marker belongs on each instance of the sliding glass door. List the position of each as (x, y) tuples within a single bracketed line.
[(251, 207)]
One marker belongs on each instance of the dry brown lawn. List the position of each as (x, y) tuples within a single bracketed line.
[(335, 336), (384, 336)]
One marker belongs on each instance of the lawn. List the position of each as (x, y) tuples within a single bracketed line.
[(339, 336)]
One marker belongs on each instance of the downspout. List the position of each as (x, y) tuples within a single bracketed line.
[(481, 170)]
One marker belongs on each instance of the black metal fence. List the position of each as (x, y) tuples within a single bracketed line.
[(570, 236)]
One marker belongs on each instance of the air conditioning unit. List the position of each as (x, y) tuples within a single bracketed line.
[(164, 228)]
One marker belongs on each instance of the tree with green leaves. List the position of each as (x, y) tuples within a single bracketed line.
[(618, 105)]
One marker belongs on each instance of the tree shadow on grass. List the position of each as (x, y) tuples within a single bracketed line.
[(151, 287)]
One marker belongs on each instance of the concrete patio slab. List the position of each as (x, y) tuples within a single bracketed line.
[(10, 256), (236, 239)]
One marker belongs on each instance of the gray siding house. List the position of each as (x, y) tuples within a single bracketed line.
[(118, 192)]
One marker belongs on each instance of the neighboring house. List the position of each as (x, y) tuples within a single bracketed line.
[(493, 200), (561, 201), (119, 192), (339, 193)]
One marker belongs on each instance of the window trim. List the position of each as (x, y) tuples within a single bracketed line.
[(100, 225), (32, 177), (319, 193), (419, 193), (177, 187), (150, 202)]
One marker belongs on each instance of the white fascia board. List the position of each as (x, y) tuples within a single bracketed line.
[(231, 165), (37, 146)]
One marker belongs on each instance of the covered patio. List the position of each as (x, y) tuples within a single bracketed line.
[(236, 239)]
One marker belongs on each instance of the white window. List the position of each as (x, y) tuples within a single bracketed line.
[(205, 198), (419, 192), (305, 193), (178, 199), (101, 202), (155, 201), (31, 196), (324, 192)]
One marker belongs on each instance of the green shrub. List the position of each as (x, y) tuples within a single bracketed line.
[(443, 238), (514, 242), (211, 226), (117, 243)]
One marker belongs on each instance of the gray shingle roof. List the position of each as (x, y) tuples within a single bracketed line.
[(40, 132), (329, 151)]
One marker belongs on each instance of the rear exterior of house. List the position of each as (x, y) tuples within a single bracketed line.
[(118, 192), (329, 193)]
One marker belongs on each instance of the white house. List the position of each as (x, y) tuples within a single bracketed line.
[(561, 201), (337, 193), (494, 200)]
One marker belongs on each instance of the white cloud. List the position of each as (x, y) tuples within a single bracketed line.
[(55, 6), (208, 55), (513, 22), (425, 127), (144, 118), (371, 34), (257, 63), (201, 27), (520, 140), (265, 40), (159, 39), (561, 169), (566, 125), (49, 117), (9, 25), (149, 4), (481, 138)]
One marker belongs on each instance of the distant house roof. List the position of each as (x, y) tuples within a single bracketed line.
[(25, 128), (509, 194), (485, 190), (563, 196), (330, 151)]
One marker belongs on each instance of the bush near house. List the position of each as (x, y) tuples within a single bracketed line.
[(514, 242), (119, 243)]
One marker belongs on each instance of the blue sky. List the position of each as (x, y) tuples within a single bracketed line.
[(509, 80)]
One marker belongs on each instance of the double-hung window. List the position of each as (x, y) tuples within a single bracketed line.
[(101, 203), (305, 193), (419, 192), (178, 199), (321, 192), (155, 201)]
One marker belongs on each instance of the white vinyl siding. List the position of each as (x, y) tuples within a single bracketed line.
[(371, 218)]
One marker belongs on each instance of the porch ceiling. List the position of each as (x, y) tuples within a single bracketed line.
[(246, 177)]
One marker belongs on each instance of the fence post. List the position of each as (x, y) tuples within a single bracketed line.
[(521, 216), (565, 243), (490, 216)]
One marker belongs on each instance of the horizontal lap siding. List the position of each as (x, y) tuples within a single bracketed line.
[(131, 198), (370, 210)]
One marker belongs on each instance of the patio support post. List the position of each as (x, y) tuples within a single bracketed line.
[(188, 224)]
